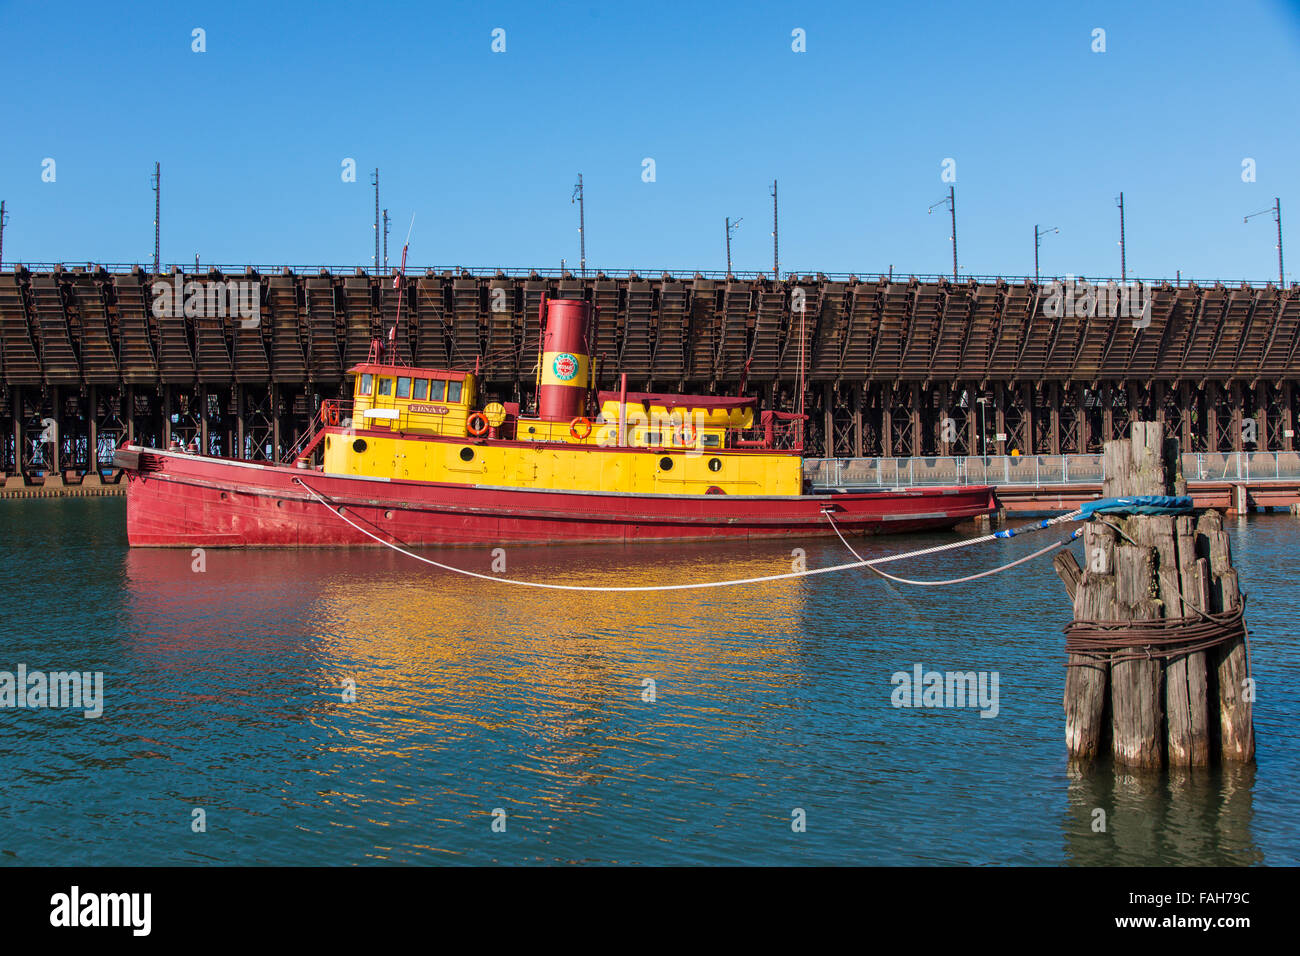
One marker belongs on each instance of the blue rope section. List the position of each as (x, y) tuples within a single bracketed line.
[(1138, 505)]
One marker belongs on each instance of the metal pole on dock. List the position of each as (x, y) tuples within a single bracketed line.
[(776, 234), (582, 226), (157, 215), (375, 182), (1276, 210), (952, 207), (730, 227), (1123, 262)]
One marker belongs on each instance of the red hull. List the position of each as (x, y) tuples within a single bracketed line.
[(181, 500)]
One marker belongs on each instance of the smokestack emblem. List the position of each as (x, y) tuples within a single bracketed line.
[(566, 366)]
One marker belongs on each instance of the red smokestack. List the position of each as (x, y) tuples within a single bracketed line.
[(566, 365)]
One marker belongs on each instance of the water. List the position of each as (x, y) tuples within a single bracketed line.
[(224, 692)]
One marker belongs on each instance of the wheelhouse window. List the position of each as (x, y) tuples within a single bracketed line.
[(421, 389), (708, 440), (385, 386), (403, 388), (437, 389), (364, 384), (453, 391)]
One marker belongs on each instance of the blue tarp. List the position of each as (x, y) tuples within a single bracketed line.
[(1138, 505)]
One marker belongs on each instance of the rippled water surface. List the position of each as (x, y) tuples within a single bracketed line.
[(224, 691)]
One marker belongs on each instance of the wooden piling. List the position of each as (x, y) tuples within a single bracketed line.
[(1137, 698)]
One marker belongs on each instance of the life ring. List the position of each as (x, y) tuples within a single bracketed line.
[(580, 423), (331, 413), (476, 424)]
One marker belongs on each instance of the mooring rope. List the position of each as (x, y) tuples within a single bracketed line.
[(1159, 639), (697, 585), (970, 577)]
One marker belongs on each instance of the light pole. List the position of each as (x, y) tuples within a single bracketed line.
[(375, 182), (730, 227), (1123, 262), (951, 201), (582, 225), (1038, 238), (982, 400), (1276, 210), (157, 214), (776, 234)]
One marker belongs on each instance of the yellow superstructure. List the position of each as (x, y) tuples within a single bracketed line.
[(422, 425)]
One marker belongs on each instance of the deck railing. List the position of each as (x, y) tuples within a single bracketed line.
[(1035, 470)]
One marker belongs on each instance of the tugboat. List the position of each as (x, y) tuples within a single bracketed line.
[(415, 458)]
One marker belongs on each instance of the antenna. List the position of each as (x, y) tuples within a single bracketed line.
[(4, 218), (156, 182), (776, 230), (731, 227), (386, 224), (582, 226), (1276, 210)]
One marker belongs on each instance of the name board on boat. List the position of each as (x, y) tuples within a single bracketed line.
[(429, 409)]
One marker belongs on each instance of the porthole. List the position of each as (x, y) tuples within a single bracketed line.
[(224, 496), (327, 443), (666, 463), (467, 454), (279, 502), (715, 464), (532, 430), (388, 515), (359, 445)]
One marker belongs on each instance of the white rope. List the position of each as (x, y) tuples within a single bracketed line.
[(860, 563), (969, 577)]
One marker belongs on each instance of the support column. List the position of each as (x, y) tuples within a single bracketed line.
[(918, 434), (1107, 413), (1054, 418), (973, 419), (1262, 393), (886, 422), (275, 422), (92, 453), (857, 420), (239, 421), (203, 419), (16, 405), (1288, 420), (1028, 446), (1000, 418), (1158, 400), (1083, 423), (1133, 398), (167, 416), (1235, 401), (1185, 415), (941, 444), (56, 458), (1211, 397), (128, 398)]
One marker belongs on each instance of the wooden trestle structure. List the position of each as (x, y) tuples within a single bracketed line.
[(894, 367)]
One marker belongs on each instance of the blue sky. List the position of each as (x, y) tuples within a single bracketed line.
[(483, 148)]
